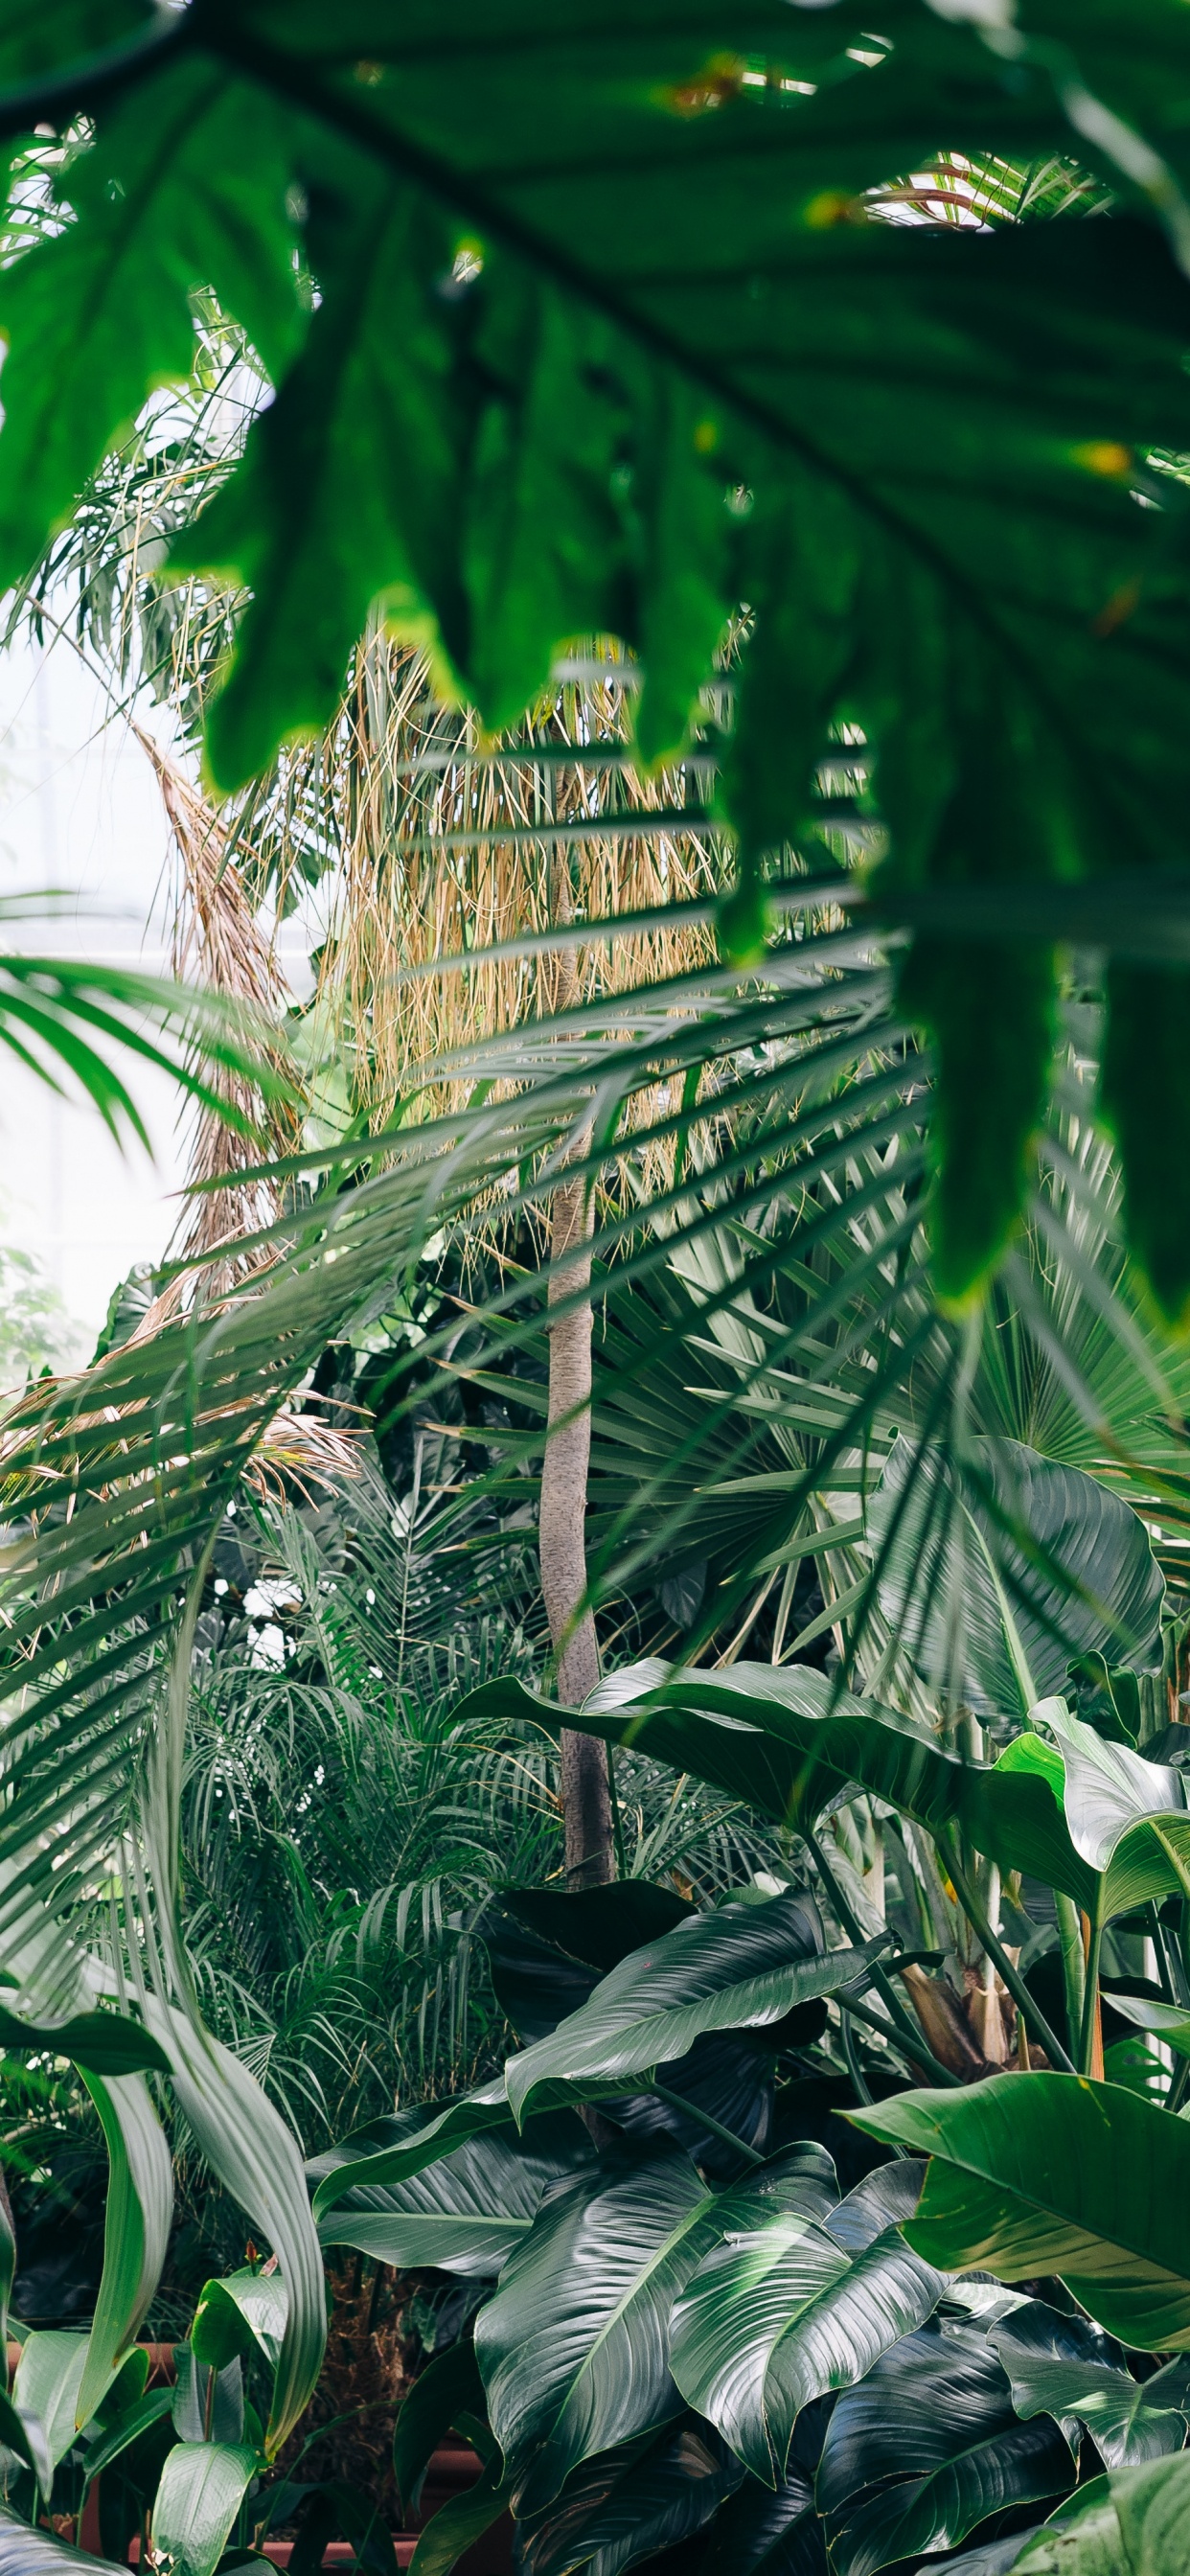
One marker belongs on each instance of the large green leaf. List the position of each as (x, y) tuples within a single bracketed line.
[(191, 194), (1127, 1818), (1060, 2366), (390, 2150), (762, 2534), (29, 2552), (787, 1740), (458, 2523), (603, 2265), (239, 2317), (448, 2385), (137, 2222), (1130, 2523), (468, 2212), (203, 2485), (256, 2157), (738, 1968), (49, 2375), (797, 2300), (1044, 1563), (667, 309), (927, 2447), (104, 2043), (632, 2504), (1051, 2173)]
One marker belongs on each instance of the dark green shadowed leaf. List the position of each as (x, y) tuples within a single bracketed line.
[(926, 2448), (460, 2522), (349, 482), (1052, 2173), (632, 2504), (106, 2043), (1145, 1090), (189, 192), (449, 2385), (737, 1968), (762, 2534)]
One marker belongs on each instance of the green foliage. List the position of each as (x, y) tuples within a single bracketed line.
[(1056, 2175), (493, 415), (800, 2297)]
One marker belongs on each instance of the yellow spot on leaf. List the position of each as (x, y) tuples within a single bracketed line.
[(721, 78), (1103, 456), (706, 437), (1120, 607), (832, 206)]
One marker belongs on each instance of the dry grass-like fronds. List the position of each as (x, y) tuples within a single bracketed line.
[(219, 944)]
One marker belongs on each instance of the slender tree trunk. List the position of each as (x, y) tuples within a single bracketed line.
[(586, 1800)]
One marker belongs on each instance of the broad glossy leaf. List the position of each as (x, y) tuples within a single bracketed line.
[(256, 2156), (1061, 2366), (28, 2552), (1128, 1818), (149, 2409), (797, 2300), (390, 2151), (203, 2485), (239, 2317), (926, 2448), (190, 193), (428, 2409), (786, 1740), (737, 1968), (458, 2523), (1168, 2022), (139, 2215), (468, 2212), (49, 2375), (1051, 2173), (603, 2265), (762, 2534), (539, 1981), (105, 2043), (632, 2504), (24, 2435), (1084, 1581), (208, 2406), (1130, 2523)]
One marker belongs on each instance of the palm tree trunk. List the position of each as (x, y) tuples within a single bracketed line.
[(586, 1799)]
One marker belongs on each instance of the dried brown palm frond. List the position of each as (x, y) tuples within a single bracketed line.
[(444, 841), (219, 944), (455, 843)]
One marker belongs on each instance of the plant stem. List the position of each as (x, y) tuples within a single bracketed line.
[(859, 2080), (912, 2043), (703, 2120), (1086, 2044), (908, 2042), (996, 1950)]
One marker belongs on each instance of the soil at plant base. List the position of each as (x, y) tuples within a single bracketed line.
[(367, 2369)]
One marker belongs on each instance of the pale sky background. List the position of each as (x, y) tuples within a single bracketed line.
[(80, 810)]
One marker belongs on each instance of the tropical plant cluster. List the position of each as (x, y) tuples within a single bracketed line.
[(593, 1741)]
